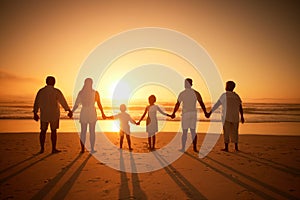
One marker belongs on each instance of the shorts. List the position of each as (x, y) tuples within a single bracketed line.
[(53, 125), (231, 131), (189, 120)]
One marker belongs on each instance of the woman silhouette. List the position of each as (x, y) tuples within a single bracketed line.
[(88, 115)]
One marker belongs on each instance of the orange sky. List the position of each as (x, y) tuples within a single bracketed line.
[(254, 43)]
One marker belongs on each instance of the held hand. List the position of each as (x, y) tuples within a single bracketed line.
[(70, 114), (173, 116), (138, 123), (207, 115), (36, 117), (242, 120), (104, 116)]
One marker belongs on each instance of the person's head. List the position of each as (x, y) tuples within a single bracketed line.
[(50, 80), (88, 83), (188, 83), (230, 85), (123, 108), (151, 99)]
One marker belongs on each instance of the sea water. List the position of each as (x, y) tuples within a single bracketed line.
[(17, 116)]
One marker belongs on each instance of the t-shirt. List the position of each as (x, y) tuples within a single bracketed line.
[(189, 99), (47, 100), (124, 118), (233, 102)]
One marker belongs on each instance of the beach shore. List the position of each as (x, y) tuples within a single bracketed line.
[(267, 167)]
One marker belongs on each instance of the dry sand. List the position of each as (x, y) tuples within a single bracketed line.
[(267, 167)]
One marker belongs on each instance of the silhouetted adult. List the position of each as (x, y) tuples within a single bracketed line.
[(230, 114), (88, 115), (189, 98), (47, 101)]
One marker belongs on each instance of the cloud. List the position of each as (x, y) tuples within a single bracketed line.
[(7, 76)]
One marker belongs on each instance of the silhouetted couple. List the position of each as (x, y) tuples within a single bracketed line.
[(47, 101)]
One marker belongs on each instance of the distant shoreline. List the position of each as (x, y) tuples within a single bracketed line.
[(263, 128)]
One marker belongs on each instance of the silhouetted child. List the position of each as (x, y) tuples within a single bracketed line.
[(231, 117), (124, 118), (151, 122)]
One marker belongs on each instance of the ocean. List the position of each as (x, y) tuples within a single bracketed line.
[(16, 116), (253, 112)]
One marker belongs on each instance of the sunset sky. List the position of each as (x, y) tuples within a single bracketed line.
[(254, 43)]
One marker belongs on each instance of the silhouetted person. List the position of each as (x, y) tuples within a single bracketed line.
[(124, 118), (189, 98), (151, 122), (47, 101), (231, 119), (88, 115)]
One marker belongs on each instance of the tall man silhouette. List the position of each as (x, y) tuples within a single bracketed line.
[(189, 98), (47, 100)]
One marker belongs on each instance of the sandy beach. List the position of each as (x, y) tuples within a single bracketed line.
[(267, 167)]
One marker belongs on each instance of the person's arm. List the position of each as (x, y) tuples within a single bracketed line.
[(176, 107), (216, 106), (133, 121), (77, 102), (162, 112), (200, 101), (36, 107), (110, 117), (242, 114), (100, 105), (146, 110), (63, 103)]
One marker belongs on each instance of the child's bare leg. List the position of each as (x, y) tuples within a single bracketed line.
[(121, 141), (128, 141)]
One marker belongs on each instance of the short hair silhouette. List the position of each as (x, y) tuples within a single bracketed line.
[(50, 80), (230, 85), (152, 99), (122, 107), (190, 81)]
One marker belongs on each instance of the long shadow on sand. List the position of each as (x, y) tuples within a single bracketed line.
[(241, 183), (179, 179), (50, 185), (64, 190), (274, 165), (18, 163), (3, 180), (124, 191), (137, 190)]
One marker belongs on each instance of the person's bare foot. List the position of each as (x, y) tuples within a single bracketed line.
[(93, 151), (226, 150), (56, 151)]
